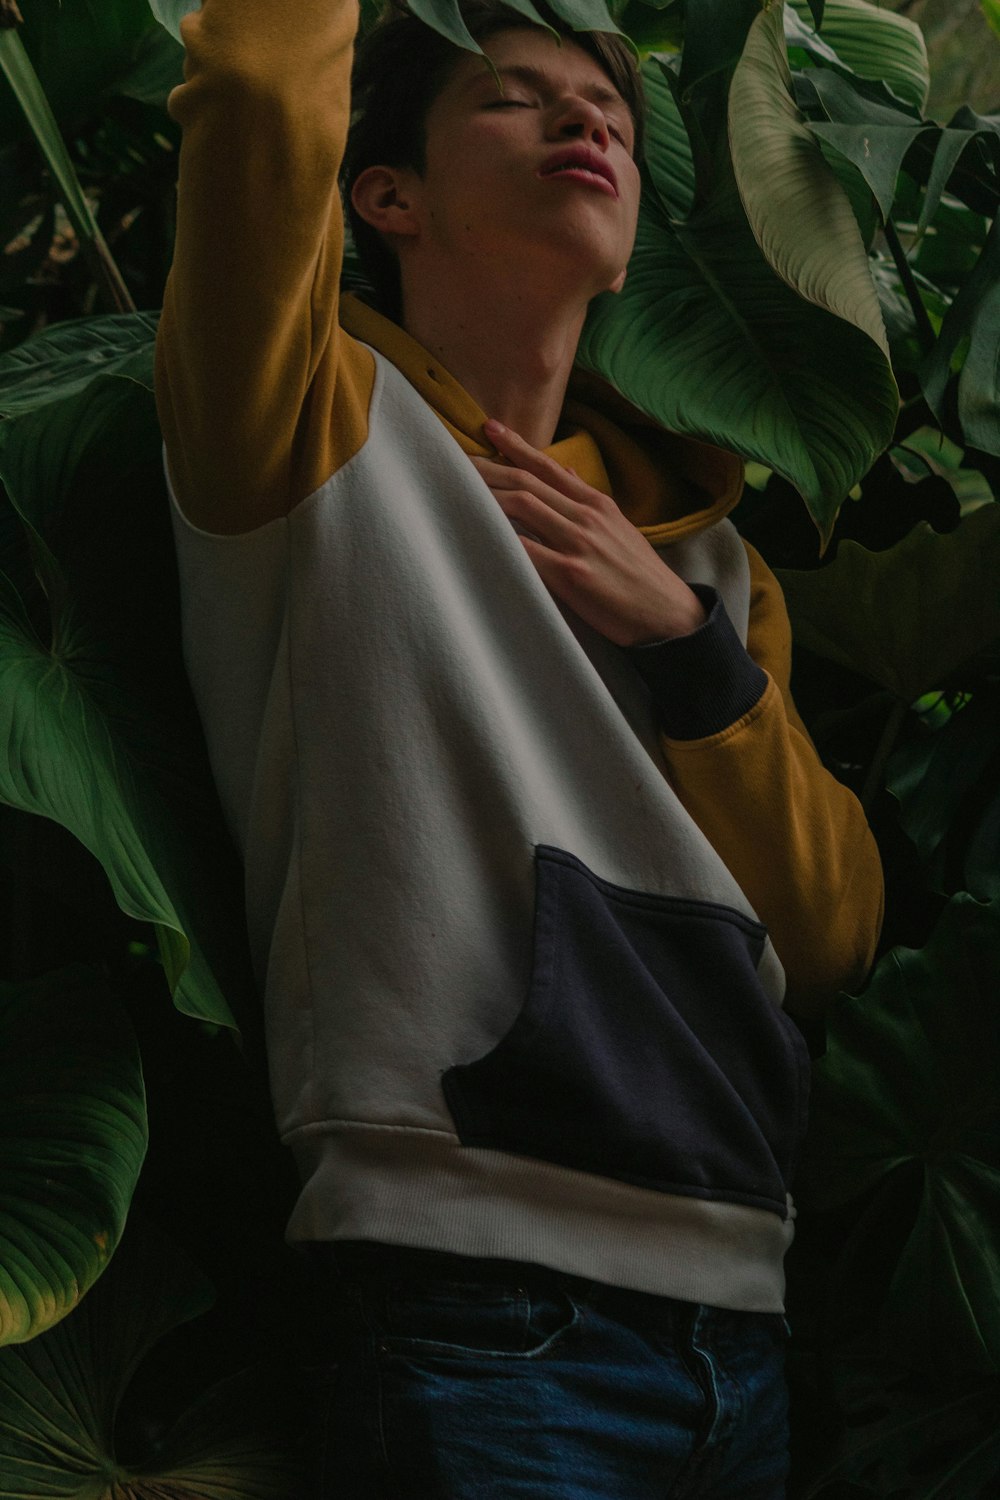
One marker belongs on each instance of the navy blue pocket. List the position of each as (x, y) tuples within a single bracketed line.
[(647, 1049)]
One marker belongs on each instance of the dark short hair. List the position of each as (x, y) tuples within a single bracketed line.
[(400, 67)]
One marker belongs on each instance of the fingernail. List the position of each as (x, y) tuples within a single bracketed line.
[(492, 426)]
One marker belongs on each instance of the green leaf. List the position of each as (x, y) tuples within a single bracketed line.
[(585, 15), (97, 730), (72, 1140), (60, 1396), (908, 617), (653, 28), (876, 43), (445, 17), (40, 371), (973, 320), (991, 10), (947, 784), (876, 152), (158, 67), (170, 13), (903, 1086), (668, 152), (950, 148), (799, 214)]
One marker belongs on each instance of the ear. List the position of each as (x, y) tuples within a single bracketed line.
[(385, 199)]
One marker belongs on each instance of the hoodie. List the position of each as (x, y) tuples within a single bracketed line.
[(524, 907)]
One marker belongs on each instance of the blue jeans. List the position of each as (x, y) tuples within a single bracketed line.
[(454, 1379)]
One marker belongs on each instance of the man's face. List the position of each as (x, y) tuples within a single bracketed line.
[(539, 177)]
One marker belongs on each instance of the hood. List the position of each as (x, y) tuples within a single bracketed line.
[(670, 486)]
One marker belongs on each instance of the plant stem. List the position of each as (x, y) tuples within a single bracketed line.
[(925, 329), (885, 747)]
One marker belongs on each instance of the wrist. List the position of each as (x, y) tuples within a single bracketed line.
[(687, 614)]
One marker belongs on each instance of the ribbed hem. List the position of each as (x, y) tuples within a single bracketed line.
[(702, 682), (421, 1188)]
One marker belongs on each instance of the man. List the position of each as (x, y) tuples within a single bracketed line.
[(497, 703)]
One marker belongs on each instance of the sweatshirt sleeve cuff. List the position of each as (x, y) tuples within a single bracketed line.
[(702, 682)]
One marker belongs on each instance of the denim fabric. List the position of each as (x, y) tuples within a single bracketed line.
[(461, 1379)]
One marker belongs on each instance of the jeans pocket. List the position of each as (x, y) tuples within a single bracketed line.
[(493, 1321)]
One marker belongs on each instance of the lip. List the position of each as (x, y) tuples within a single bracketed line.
[(591, 164)]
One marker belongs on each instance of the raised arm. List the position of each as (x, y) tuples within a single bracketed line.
[(261, 396)]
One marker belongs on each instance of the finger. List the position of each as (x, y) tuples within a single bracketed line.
[(504, 477), (533, 513), (524, 456)]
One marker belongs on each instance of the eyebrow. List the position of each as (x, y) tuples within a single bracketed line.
[(535, 78)]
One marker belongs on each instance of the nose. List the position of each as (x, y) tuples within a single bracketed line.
[(576, 118)]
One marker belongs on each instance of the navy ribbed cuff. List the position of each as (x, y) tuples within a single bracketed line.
[(702, 682)]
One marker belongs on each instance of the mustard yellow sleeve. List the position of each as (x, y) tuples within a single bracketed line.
[(795, 838), (261, 395)]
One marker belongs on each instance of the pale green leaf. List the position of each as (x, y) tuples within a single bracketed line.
[(170, 13), (799, 214), (72, 1140)]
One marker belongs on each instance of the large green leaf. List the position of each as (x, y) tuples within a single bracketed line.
[(709, 340), (798, 212), (97, 730), (72, 1140), (873, 42), (908, 617), (908, 1084), (60, 1397)]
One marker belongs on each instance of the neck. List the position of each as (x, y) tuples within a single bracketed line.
[(512, 352)]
